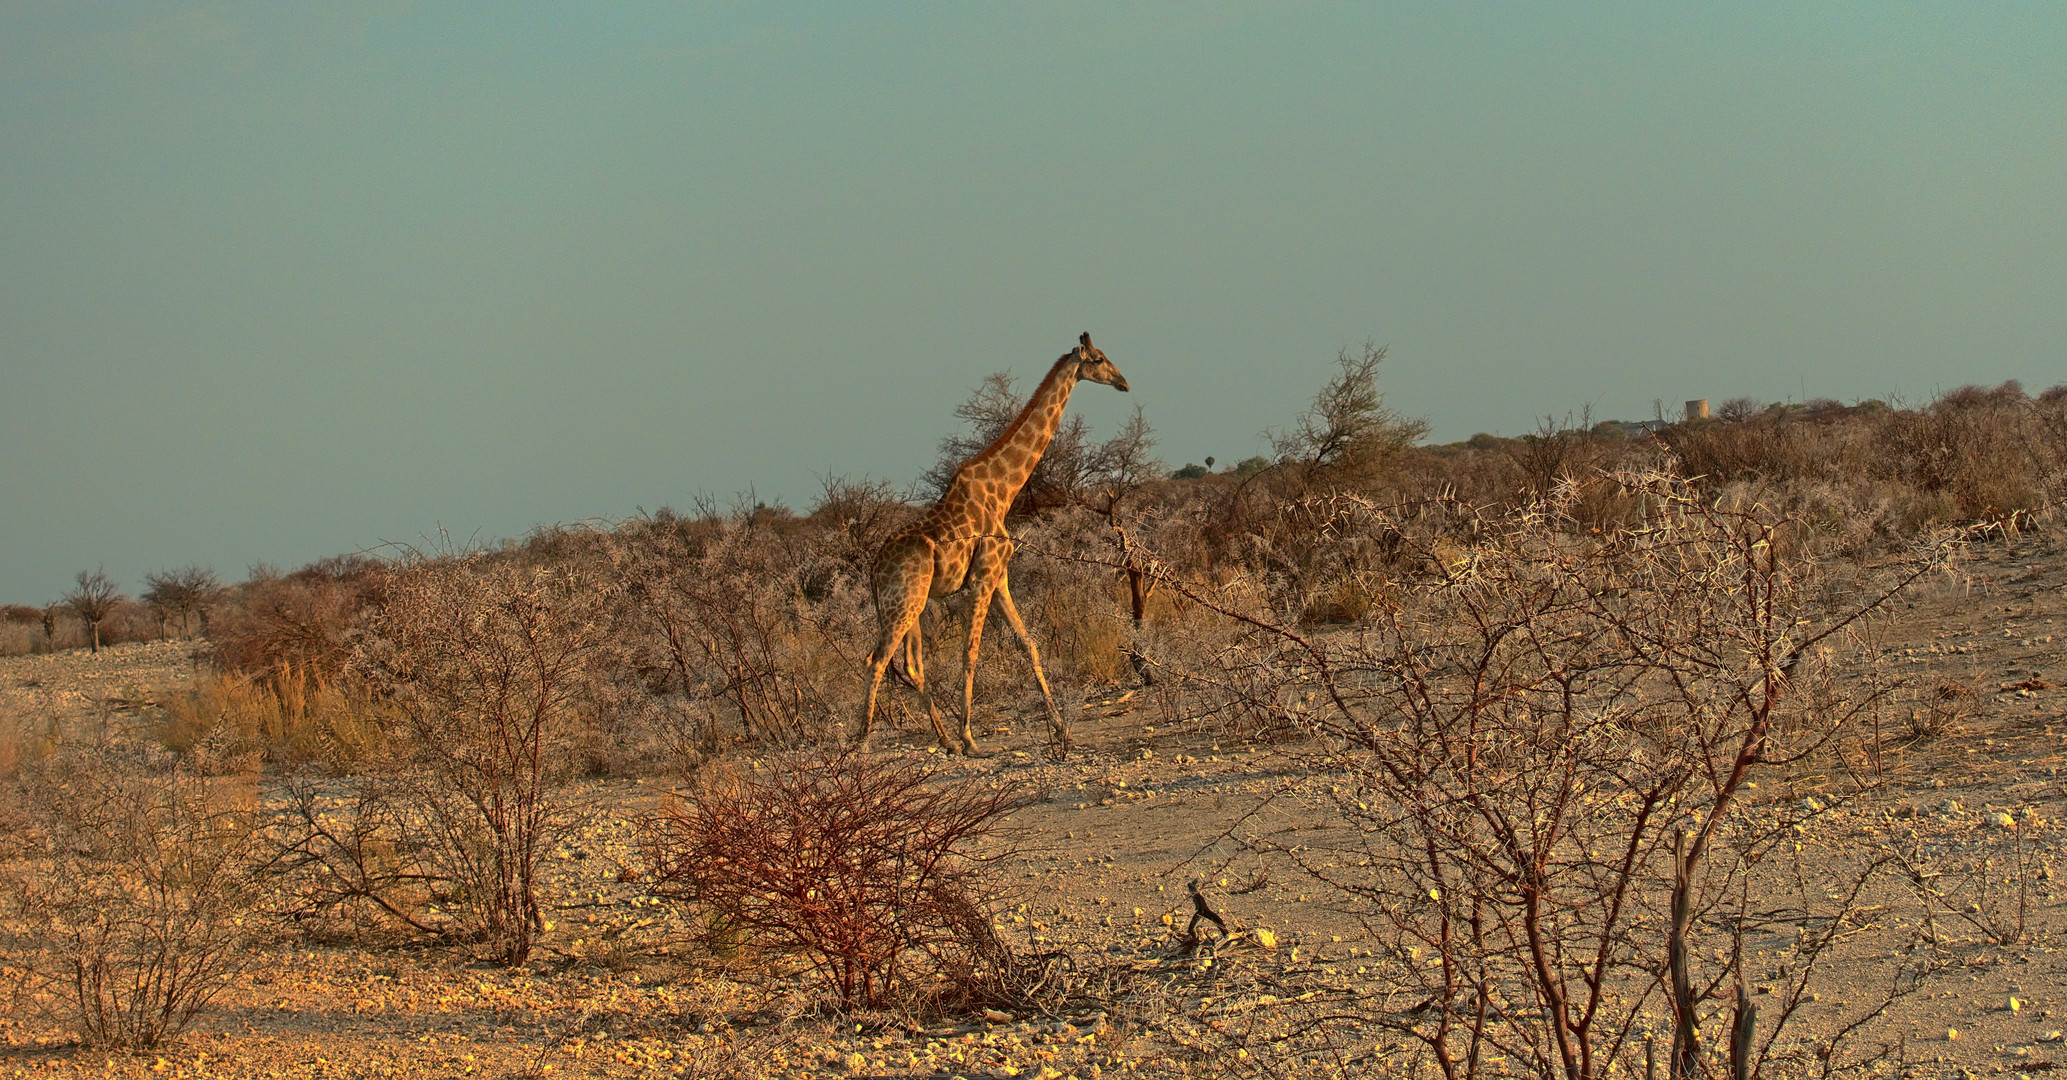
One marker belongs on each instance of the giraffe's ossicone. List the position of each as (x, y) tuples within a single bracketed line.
[(960, 542)]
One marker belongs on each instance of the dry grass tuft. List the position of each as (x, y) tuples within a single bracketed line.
[(226, 721)]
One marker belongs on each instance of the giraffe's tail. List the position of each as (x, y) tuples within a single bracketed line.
[(897, 668)]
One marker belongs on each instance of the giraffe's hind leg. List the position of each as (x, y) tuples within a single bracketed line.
[(901, 666), (899, 601), (915, 664), (903, 634), (876, 667)]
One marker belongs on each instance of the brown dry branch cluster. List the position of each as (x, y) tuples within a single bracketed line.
[(860, 863)]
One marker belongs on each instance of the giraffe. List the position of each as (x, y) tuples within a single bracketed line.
[(961, 543)]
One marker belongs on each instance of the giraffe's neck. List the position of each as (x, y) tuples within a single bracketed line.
[(1004, 466)]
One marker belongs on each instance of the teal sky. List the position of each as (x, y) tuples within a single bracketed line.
[(283, 280)]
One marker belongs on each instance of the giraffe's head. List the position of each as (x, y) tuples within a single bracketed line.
[(1092, 364)]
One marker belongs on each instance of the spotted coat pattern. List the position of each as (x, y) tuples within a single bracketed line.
[(961, 542)]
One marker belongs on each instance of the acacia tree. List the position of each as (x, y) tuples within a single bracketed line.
[(93, 600), (1347, 435), (180, 593)]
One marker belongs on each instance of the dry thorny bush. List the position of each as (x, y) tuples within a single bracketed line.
[(863, 865), (740, 631), (124, 894), (484, 674), (1526, 729)]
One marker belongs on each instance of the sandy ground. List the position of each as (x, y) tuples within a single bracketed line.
[(1106, 850)]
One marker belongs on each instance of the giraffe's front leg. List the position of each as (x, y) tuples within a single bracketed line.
[(915, 665), (1058, 729), (978, 608)]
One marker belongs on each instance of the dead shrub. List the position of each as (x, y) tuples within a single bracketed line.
[(21, 639), (858, 516), (1076, 609), (485, 669), (1975, 885), (866, 867), (1567, 452), (1083, 641), (1991, 452), (1347, 599), (745, 631), (1944, 709), (1743, 447), (352, 863), (127, 896)]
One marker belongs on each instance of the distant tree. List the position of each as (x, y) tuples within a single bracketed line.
[(1125, 461), (1347, 434), (93, 600), (179, 593), (1191, 471), (1740, 409)]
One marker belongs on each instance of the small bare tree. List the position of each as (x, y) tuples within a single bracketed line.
[(179, 594), (486, 668), (1545, 740), (93, 600), (1348, 435)]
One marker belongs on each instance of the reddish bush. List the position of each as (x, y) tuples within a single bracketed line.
[(863, 865)]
